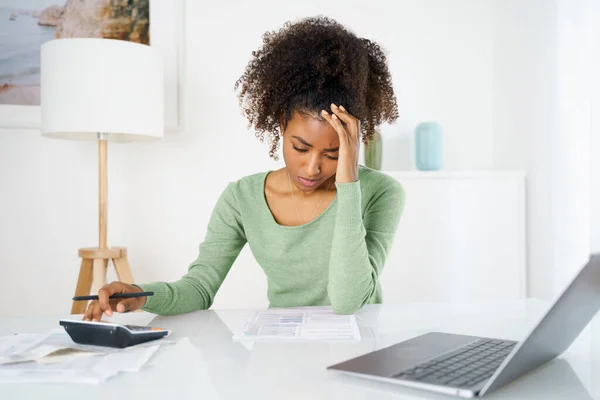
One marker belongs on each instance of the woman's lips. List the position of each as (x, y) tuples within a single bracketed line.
[(308, 182)]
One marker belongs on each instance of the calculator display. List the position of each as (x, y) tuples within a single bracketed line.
[(139, 328)]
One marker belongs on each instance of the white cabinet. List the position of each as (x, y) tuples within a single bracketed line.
[(462, 237)]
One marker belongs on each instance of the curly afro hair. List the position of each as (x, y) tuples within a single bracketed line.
[(306, 66)]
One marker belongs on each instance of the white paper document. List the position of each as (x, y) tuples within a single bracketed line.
[(54, 357), (91, 369), (300, 324), (15, 348), (40, 346)]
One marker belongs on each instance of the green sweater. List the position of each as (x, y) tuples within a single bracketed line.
[(336, 259)]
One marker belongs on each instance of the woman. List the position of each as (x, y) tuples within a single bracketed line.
[(320, 227)]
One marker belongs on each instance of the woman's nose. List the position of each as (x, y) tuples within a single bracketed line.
[(314, 167)]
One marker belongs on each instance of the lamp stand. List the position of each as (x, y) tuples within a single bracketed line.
[(94, 261)]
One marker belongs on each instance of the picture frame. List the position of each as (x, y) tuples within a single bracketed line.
[(167, 32)]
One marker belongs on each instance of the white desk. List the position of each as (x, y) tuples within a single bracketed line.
[(207, 364)]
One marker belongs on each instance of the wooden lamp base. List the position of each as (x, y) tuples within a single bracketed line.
[(94, 263)]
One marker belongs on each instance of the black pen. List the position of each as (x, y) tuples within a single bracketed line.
[(115, 296)]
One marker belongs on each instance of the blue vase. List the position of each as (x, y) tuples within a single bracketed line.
[(428, 146)]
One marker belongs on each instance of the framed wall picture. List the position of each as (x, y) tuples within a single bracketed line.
[(26, 24)]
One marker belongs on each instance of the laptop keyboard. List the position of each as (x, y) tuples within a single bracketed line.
[(463, 367)]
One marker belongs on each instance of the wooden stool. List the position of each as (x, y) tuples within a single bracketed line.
[(94, 263)]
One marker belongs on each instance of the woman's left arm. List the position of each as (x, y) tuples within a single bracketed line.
[(360, 246)]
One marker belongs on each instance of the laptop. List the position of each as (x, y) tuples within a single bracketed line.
[(470, 366)]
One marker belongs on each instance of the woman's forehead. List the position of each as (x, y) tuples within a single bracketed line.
[(316, 132)]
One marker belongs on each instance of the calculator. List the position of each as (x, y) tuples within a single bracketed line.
[(110, 334)]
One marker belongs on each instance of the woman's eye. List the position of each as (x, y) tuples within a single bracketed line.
[(305, 150)]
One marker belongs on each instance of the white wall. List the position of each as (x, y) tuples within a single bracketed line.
[(543, 124), (482, 68), (161, 194), (524, 116), (595, 130), (572, 168)]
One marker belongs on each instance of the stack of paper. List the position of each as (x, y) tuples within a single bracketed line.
[(55, 357), (303, 324)]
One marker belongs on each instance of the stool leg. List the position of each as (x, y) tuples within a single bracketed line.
[(84, 284), (123, 270), (99, 274)]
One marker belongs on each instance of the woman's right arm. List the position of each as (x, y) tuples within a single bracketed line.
[(225, 238)]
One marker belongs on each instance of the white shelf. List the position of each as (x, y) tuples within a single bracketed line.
[(455, 174)]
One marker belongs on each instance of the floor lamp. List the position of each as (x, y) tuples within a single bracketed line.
[(102, 90)]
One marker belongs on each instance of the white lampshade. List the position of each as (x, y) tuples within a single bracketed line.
[(90, 86)]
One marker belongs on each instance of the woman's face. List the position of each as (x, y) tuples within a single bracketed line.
[(310, 152)]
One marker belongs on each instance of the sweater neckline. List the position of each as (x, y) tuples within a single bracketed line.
[(272, 217)]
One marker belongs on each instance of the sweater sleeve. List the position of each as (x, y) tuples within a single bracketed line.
[(225, 238), (360, 245)]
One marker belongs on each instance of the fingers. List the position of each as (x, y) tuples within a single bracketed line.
[(97, 314), (105, 304), (90, 311), (105, 292), (113, 304), (93, 312), (336, 123), (126, 305), (343, 114), (343, 122), (352, 123)]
